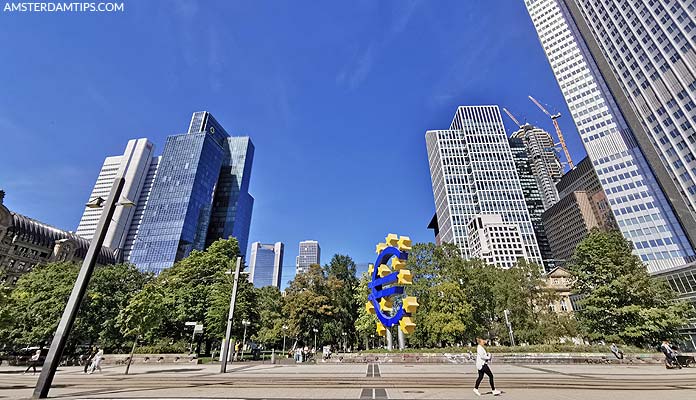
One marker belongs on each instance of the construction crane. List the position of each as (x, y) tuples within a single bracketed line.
[(554, 119), (512, 117)]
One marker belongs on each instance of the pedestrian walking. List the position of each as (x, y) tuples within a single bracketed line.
[(96, 362), (670, 355), (617, 351), (33, 361), (482, 359), (89, 356), (236, 350)]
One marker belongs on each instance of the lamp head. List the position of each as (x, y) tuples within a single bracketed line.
[(96, 202)]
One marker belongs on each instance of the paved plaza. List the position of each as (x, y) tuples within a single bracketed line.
[(360, 381)]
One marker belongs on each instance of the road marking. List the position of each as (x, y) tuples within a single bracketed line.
[(373, 393)]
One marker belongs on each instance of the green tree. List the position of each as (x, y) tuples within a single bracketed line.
[(269, 303), (621, 302), (342, 284), (38, 300), (365, 323), (112, 288), (198, 289), (308, 304), (450, 316)]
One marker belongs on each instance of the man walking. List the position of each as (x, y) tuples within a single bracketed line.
[(33, 361), (482, 358)]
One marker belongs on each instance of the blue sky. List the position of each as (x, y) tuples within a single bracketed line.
[(336, 97)]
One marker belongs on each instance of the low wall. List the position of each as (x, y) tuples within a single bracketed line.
[(512, 358), (122, 359)]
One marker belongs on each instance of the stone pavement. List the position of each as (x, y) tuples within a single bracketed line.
[(360, 381)]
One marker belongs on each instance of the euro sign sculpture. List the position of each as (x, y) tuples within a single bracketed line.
[(387, 279)]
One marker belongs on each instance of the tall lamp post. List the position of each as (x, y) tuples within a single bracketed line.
[(509, 325), (345, 342), (285, 333), (60, 338), (245, 323), (315, 330), (228, 333)]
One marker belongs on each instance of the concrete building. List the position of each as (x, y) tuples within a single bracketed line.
[(309, 253), (568, 222), (532, 197), (25, 243), (495, 242), (473, 172), (266, 264), (138, 166), (643, 197), (646, 53), (543, 160), (560, 282)]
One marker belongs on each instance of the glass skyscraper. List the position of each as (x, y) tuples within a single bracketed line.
[(626, 163), (473, 172), (194, 200), (266, 264), (532, 197)]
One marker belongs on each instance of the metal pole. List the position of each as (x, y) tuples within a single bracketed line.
[(402, 339), (390, 341), (243, 340), (60, 338), (507, 322), (283, 342), (233, 299), (130, 358)]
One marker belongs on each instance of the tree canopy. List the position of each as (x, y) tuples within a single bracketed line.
[(620, 302)]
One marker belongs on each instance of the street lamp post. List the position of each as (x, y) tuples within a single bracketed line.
[(285, 333), (245, 323), (509, 325), (60, 338), (345, 342), (228, 333), (315, 339)]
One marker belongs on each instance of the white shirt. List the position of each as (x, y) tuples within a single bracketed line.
[(481, 357)]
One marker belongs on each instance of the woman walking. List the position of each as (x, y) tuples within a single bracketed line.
[(482, 358), (96, 362)]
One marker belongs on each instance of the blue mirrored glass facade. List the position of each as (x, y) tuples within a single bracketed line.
[(199, 190)]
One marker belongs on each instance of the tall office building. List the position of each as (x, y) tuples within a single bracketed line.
[(473, 172), (583, 178), (310, 253), (196, 195), (139, 167), (628, 165), (546, 167), (266, 264), (532, 196), (495, 242)]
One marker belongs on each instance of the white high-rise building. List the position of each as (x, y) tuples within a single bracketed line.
[(628, 169), (266, 264), (138, 167), (546, 167), (473, 172), (310, 253), (494, 241)]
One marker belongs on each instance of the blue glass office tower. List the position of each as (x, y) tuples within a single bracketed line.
[(196, 195)]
